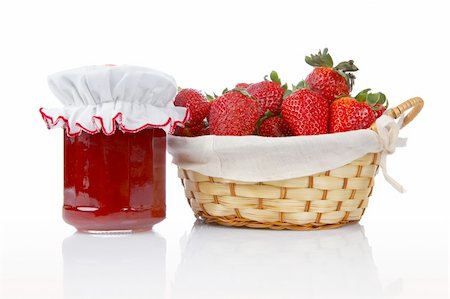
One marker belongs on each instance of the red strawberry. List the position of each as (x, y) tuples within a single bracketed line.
[(348, 114), (195, 102), (242, 85), (191, 131), (377, 101), (234, 113), (268, 94), (378, 110), (306, 112), (273, 126), (330, 82)]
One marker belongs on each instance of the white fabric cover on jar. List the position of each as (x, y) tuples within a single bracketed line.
[(102, 98)]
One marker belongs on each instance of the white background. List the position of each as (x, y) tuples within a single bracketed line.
[(399, 249)]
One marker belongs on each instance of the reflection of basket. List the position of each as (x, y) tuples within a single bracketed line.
[(255, 263), (325, 200)]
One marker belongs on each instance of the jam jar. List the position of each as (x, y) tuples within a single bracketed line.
[(115, 120), (115, 182)]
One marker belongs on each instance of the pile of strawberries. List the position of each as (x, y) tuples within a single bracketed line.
[(319, 104)]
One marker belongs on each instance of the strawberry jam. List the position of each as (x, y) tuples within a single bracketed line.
[(116, 182)]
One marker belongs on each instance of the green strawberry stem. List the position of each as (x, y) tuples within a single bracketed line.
[(345, 68), (275, 78), (243, 91), (287, 93), (211, 98), (300, 85), (267, 115), (374, 100), (320, 60)]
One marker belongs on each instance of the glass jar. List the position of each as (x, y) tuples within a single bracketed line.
[(115, 183)]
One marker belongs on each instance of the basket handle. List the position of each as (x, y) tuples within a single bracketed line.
[(416, 104), (388, 133)]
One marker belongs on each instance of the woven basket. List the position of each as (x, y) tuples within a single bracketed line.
[(324, 200)]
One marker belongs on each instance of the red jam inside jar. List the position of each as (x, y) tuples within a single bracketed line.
[(116, 182)]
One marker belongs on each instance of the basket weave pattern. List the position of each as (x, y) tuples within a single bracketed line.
[(331, 198), (328, 199)]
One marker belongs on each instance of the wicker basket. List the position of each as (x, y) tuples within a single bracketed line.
[(325, 200)]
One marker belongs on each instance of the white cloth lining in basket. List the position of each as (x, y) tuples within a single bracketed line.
[(258, 159)]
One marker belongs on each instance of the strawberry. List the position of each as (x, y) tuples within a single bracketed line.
[(357, 113), (306, 112), (234, 113), (378, 110), (268, 94), (330, 82), (348, 114), (377, 101), (272, 126), (242, 85), (195, 102), (191, 131), (205, 131)]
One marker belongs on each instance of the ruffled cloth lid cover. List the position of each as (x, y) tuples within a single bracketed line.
[(101, 98)]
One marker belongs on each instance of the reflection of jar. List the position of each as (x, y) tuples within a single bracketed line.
[(115, 120), (114, 182), (113, 266)]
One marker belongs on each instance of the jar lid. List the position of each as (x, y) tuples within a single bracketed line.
[(102, 97)]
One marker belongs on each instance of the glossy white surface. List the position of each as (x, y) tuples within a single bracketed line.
[(391, 253), (274, 264), (400, 248)]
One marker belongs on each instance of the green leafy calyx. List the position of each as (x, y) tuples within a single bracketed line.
[(266, 115), (300, 85), (212, 97), (243, 91), (321, 59), (374, 100), (275, 78), (345, 68)]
